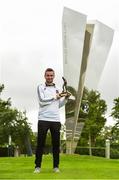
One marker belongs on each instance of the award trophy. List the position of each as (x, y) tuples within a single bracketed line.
[(65, 92)]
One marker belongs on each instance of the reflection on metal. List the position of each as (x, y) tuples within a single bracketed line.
[(73, 38), (85, 50), (74, 25), (69, 129), (102, 37)]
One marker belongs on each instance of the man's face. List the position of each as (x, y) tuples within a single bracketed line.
[(49, 76)]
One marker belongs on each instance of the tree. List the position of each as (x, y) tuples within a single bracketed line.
[(7, 116), (22, 132), (14, 123), (94, 118), (105, 133), (92, 112), (115, 115), (115, 109)]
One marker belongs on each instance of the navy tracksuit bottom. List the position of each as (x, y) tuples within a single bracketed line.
[(43, 127)]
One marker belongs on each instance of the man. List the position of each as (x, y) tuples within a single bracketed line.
[(49, 118)]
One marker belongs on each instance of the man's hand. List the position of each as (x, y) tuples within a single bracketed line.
[(57, 96), (65, 94), (60, 95)]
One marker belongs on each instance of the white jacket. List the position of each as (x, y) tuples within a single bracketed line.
[(48, 105)]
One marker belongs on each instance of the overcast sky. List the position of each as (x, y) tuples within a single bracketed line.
[(31, 41)]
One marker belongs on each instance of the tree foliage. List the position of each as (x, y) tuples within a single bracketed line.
[(95, 119), (15, 123), (115, 109), (115, 115)]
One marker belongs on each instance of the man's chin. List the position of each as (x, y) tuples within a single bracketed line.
[(49, 82)]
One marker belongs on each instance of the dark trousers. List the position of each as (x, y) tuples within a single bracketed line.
[(43, 127)]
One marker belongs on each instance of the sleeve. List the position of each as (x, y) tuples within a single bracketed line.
[(62, 102), (43, 101)]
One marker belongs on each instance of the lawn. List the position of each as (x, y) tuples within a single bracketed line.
[(71, 166)]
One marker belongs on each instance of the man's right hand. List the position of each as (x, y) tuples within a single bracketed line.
[(57, 96), (65, 94)]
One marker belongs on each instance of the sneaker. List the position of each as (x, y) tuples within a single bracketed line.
[(56, 170), (37, 170)]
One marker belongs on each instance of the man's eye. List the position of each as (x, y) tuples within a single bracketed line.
[(49, 75)]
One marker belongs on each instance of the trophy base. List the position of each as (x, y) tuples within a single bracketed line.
[(64, 94)]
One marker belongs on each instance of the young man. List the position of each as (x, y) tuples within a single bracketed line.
[(49, 118)]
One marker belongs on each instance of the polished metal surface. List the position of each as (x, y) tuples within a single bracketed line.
[(85, 50)]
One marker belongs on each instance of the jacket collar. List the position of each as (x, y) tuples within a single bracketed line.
[(53, 84)]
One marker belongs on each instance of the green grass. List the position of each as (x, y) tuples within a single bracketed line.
[(71, 166)]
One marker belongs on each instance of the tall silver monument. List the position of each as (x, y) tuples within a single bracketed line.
[(86, 46)]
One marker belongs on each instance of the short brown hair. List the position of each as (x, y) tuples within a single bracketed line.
[(49, 69)]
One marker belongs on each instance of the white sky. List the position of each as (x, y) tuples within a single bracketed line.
[(31, 41)]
